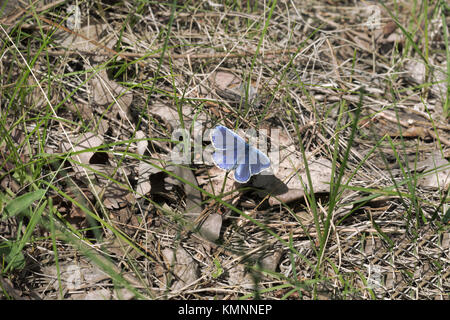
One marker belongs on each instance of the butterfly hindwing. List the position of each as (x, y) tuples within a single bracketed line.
[(242, 173)]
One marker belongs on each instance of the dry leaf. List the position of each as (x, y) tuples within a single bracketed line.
[(290, 176), (10, 7), (214, 183), (320, 172), (8, 288), (225, 80), (84, 110), (119, 247), (231, 87), (437, 172), (270, 261), (74, 276), (182, 265), (92, 32), (210, 228), (238, 277), (125, 219), (141, 145), (193, 196), (416, 71), (98, 294), (105, 92), (85, 141), (123, 294), (170, 115), (145, 171), (388, 28), (117, 197), (415, 131)]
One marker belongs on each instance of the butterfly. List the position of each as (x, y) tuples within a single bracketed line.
[(232, 152)]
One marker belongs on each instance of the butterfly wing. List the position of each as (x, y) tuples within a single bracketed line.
[(228, 147), (258, 161), (242, 173), (225, 159), (223, 138), (232, 152)]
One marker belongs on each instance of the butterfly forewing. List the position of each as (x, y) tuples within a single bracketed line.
[(218, 137), (223, 138), (228, 146), (225, 159)]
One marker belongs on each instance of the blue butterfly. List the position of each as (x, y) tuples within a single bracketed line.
[(232, 152)]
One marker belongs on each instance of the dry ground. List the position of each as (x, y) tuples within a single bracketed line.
[(91, 95)]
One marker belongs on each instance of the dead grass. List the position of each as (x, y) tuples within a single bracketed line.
[(88, 114)]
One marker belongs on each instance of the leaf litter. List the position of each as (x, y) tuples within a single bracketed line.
[(178, 217)]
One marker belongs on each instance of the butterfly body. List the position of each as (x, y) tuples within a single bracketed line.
[(233, 153)]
